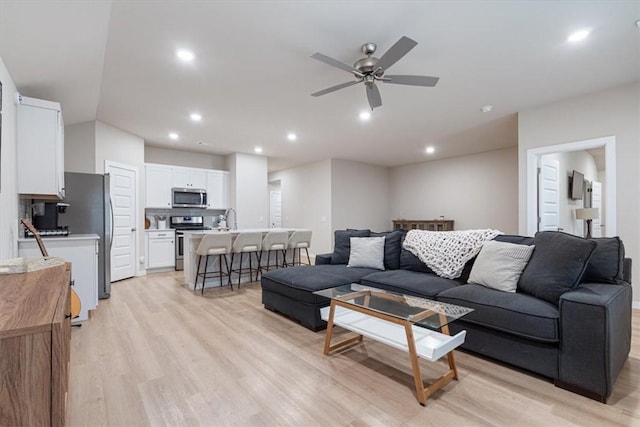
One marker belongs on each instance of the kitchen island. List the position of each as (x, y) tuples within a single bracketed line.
[(192, 240)]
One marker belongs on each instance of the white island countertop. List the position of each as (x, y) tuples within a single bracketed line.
[(192, 239)]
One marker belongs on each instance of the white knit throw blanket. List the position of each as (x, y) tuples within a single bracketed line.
[(446, 252)]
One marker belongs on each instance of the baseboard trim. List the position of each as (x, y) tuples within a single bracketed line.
[(636, 305)]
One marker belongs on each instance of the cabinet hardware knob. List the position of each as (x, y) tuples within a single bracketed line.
[(67, 316)]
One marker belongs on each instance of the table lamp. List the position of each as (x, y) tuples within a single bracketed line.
[(588, 214)]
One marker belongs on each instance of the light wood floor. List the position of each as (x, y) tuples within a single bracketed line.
[(157, 354)]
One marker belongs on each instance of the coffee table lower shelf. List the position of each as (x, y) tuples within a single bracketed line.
[(397, 333)]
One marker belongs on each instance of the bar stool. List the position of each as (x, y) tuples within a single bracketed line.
[(274, 241), (217, 244), (251, 243), (300, 240)]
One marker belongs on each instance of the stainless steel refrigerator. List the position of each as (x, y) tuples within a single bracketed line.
[(90, 212)]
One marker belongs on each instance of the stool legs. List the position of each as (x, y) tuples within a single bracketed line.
[(219, 274)]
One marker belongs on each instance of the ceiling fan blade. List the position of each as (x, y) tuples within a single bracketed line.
[(412, 80), (373, 96), (335, 63), (334, 88), (395, 52)]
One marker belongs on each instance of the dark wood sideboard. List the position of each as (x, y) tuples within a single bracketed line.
[(423, 224), (35, 341)]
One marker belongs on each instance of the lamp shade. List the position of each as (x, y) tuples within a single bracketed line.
[(587, 213)]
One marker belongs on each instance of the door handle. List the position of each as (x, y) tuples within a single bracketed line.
[(133, 229)]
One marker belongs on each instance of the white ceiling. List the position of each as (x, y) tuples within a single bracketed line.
[(252, 77)]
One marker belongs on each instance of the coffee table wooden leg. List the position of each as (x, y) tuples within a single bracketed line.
[(327, 337), (415, 365), (450, 358)]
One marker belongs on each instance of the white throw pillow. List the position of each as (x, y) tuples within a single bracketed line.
[(367, 252), (500, 264)]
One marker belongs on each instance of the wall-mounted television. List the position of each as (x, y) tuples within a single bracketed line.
[(576, 185)]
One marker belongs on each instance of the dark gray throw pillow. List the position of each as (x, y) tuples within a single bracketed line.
[(392, 247), (607, 262), (342, 245), (556, 266)]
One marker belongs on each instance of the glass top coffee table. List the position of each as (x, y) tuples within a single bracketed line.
[(416, 325)]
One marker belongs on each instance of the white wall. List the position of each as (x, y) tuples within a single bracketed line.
[(8, 169), (614, 112), (569, 161), (359, 196), (168, 156), (476, 191), (80, 147), (122, 147), (249, 189), (306, 201)]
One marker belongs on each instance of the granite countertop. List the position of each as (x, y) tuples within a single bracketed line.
[(240, 230)]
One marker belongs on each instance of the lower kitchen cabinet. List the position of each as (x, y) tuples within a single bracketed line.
[(81, 250), (161, 248)]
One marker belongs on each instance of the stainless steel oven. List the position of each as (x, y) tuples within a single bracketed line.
[(181, 224), (188, 198)]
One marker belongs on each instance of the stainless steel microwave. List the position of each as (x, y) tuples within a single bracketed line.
[(188, 198)]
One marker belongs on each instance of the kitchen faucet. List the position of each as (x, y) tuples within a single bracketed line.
[(235, 218)]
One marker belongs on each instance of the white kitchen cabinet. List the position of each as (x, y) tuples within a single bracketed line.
[(81, 250), (217, 190), (189, 178), (40, 148), (158, 183), (160, 248)]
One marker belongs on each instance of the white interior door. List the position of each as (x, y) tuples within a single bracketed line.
[(596, 202), (548, 194), (275, 209), (123, 198)]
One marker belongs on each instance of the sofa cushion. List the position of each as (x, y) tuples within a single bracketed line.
[(300, 282), (409, 261), (367, 252), (392, 247), (342, 244), (513, 313), (606, 263), (556, 266), (410, 282), (500, 264), (510, 238)]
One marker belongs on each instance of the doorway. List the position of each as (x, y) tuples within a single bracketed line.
[(607, 193), (275, 205), (123, 192)]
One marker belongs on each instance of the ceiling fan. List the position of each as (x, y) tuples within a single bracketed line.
[(371, 69)]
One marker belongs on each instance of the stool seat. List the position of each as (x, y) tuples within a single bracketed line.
[(214, 244), (300, 239), (275, 241), (250, 243)]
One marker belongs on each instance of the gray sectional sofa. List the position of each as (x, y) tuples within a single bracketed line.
[(569, 320)]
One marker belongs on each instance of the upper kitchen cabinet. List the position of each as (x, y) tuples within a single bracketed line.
[(189, 178), (217, 190), (158, 186), (40, 148)]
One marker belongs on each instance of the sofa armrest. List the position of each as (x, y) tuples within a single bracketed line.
[(323, 259), (595, 337), (626, 270)]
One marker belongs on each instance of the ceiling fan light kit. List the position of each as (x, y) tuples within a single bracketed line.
[(370, 69)]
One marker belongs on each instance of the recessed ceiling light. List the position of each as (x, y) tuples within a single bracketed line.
[(196, 117), (365, 115), (292, 136), (174, 135), (185, 55), (638, 23), (430, 150), (258, 150), (486, 108), (578, 36)]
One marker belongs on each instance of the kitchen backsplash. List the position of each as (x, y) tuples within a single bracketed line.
[(210, 215)]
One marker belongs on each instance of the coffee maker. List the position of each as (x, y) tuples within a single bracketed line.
[(45, 219)]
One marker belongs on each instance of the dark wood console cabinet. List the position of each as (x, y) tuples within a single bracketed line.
[(423, 224), (35, 341)]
